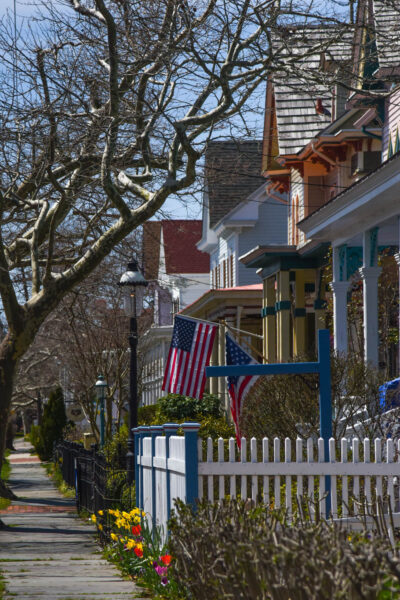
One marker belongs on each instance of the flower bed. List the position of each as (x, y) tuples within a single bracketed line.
[(138, 552)]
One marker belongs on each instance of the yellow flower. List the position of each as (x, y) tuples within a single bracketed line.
[(126, 515), (130, 544), (139, 545), (93, 517), (100, 512), (114, 537), (100, 526)]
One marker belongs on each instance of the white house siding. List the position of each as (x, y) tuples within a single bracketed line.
[(270, 229), (296, 190), (155, 347), (225, 249), (392, 122)]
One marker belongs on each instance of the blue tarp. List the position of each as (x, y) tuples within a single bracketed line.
[(389, 394)]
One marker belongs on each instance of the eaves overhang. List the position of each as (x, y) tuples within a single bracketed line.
[(365, 204)]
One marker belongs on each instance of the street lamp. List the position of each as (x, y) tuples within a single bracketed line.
[(101, 385), (130, 280)]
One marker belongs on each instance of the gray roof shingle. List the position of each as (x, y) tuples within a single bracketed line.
[(298, 86), (232, 171)]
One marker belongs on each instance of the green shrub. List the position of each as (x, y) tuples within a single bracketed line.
[(34, 436), (53, 422), (229, 551), (178, 409), (148, 415)]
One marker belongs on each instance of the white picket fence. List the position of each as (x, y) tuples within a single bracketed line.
[(275, 472), (263, 476)]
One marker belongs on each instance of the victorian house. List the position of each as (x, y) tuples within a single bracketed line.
[(324, 146)]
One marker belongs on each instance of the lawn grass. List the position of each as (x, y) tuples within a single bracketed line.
[(53, 471), (5, 475)]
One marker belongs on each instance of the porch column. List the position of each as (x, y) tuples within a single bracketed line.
[(370, 274), (283, 316), (340, 287), (397, 257), (299, 329), (269, 320)]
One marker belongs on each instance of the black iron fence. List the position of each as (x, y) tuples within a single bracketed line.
[(100, 482)]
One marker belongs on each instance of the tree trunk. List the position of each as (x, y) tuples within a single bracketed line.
[(8, 364)]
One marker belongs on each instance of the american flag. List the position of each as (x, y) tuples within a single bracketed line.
[(238, 386), (189, 354)]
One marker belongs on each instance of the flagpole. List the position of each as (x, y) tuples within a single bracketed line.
[(218, 323)]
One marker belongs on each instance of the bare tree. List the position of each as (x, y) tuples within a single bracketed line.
[(106, 108)]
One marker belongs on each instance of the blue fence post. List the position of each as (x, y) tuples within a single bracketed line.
[(155, 430), (136, 438), (325, 402), (190, 431), (143, 433), (170, 430)]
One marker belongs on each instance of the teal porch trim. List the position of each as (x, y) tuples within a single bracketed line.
[(283, 305), (268, 311)]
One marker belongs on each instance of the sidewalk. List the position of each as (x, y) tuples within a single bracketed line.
[(48, 553)]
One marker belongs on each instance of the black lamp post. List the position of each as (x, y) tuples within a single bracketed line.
[(131, 279)]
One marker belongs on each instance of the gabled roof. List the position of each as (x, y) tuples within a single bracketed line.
[(179, 239), (302, 82), (232, 172)]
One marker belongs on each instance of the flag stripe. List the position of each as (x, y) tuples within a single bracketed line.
[(211, 339), (182, 375), (199, 363), (167, 370)]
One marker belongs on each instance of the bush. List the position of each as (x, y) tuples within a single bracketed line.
[(34, 436), (53, 422), (288, 405), (147, 415), (227, 551), (178, 409)]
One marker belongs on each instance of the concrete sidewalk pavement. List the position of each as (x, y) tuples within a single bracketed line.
[(47, 552)]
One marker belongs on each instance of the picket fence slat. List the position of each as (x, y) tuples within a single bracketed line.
[(265, 478), (232, 482), (345, 488)]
